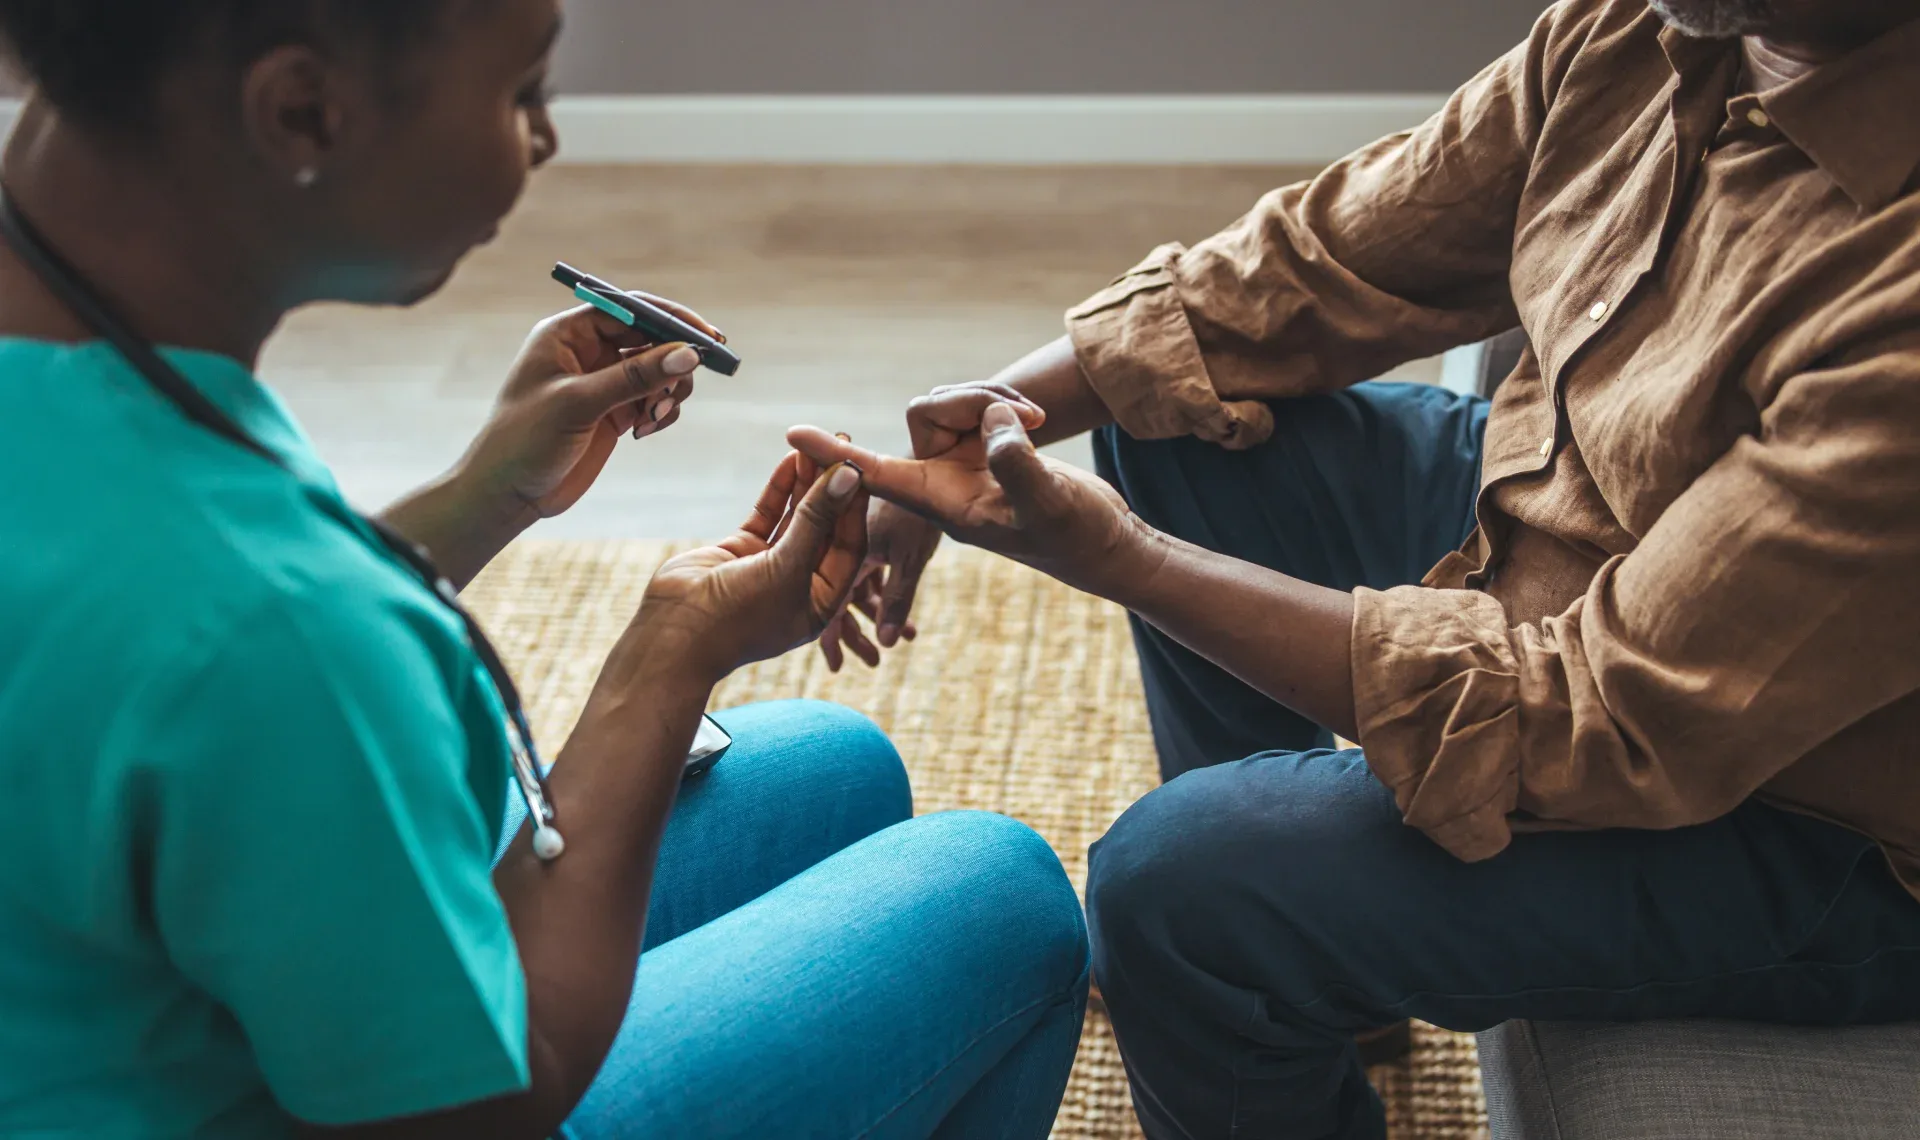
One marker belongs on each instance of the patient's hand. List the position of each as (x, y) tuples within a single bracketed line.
[(901, 543), (991, 489)]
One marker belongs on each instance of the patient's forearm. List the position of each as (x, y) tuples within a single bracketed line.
[(1050, 376), (1289, 639)]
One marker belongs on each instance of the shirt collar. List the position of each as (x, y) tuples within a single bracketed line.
[(1687, 52), (1858, 117), (253, 406)]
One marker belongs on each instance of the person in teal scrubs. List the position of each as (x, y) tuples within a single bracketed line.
[(260, 876)]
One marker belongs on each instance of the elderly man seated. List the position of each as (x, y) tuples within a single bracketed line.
[(1633, 654)]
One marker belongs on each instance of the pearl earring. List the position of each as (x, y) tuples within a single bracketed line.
[(306, 177)]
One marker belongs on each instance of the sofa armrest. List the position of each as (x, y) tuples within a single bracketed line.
[(1701, 1080)]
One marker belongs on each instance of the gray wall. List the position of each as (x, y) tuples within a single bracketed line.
[(1032, 46)]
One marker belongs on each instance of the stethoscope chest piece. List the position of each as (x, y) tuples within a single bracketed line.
[(548, 844)]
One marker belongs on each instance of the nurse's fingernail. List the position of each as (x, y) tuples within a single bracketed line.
[(663, 409), (681, 361), (845, 478)]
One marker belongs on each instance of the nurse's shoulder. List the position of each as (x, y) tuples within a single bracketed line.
[(146, 554), (128, 522)]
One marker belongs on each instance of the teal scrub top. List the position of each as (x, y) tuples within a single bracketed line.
[(253, 779)]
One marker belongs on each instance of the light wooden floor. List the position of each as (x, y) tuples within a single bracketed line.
[(847, 290)]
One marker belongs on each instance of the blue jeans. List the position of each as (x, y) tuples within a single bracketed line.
[(1268, 903), (821, 966)]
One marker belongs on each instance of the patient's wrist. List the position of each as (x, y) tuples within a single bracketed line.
[(1051, 377), (1130, 569)]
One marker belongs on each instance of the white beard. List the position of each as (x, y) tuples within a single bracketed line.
[(1716, 19)]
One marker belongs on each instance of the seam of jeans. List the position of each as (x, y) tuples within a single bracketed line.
[(1239, 1083), (1853, 871), (1546, 1077), (1397, 1006), (1065, 998)]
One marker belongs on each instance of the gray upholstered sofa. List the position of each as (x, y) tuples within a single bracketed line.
[(1701, 1080), (1691, 1080)]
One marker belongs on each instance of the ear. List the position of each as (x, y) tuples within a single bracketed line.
[(297, 111)]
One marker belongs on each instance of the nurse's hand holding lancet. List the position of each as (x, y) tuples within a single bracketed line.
[(367, 911), (582, 382)]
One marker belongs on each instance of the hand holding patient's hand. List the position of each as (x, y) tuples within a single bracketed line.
[(993, 490), (772, 586), (940, 420), (901, 543)]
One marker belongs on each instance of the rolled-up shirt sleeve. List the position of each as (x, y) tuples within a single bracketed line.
[(1771, 606), (1399, 251)]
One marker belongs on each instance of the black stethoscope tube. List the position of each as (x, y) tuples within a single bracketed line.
[(77, 294)]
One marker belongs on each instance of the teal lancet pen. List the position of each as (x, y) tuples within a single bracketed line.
[(662, 326)]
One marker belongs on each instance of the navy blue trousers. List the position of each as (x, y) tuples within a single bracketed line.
[(1267, 903)]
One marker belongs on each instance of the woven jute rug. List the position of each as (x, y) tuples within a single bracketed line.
[(1020, 696)]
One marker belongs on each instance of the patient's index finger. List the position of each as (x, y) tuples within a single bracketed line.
[(897, 480), (826, 448)]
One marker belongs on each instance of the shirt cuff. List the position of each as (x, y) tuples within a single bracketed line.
[(1139, 352), (1436, 689)]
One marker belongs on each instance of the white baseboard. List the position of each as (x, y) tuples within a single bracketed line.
[(981, 129), (960, 129)]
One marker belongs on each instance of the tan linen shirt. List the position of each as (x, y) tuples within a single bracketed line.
[(1697, 572)]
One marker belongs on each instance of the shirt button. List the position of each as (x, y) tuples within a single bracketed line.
[(1758, 118), (1599, 310), (1546, 447)]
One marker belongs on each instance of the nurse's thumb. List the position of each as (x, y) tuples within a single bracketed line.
[(633, 379), (818, 518)]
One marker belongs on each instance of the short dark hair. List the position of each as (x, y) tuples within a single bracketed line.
[(102, 61)]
